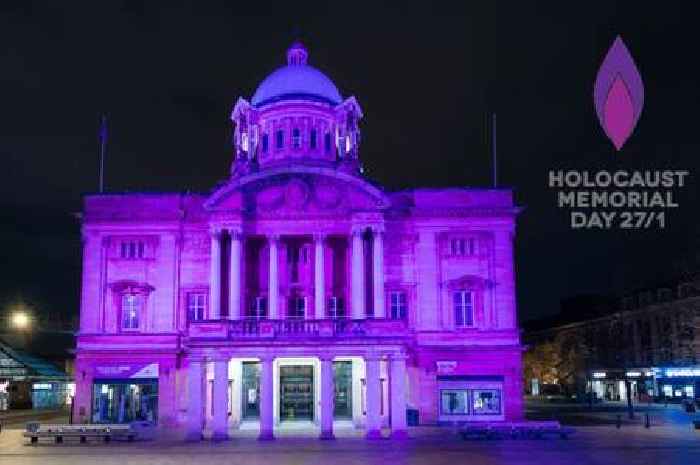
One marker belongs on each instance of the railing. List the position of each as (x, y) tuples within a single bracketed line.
[(296, 328)]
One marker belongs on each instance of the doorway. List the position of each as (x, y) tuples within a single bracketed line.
[(296, 393)]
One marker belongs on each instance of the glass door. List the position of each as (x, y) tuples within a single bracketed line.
[(250, 395), (342, 374), (296, 393)]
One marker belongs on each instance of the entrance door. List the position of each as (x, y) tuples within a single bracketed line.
[(342, 374), (296, 393), (250, 395)]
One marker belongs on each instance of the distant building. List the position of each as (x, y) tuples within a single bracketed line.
[(36, 370), (649, 338)]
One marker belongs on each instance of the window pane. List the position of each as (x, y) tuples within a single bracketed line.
[(131, 307), (486, 401), (265, 143), (312, 142), (454, 402), (141, 247), (279, 139), (458, 308)]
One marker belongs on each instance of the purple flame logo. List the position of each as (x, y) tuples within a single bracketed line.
[(618, 94)]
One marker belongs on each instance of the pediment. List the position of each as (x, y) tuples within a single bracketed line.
[(313, 191)]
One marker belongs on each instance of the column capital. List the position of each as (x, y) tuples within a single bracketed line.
[(377, 229), (266, 357), (272, 237), (372, 357), (357, 229), (215, 232), (326, 357), (320, 237), (236, 232), (399, 357)]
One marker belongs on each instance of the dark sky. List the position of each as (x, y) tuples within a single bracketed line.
[(426, 75)]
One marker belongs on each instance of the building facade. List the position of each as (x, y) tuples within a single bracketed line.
[(298, 290), (647, 345)]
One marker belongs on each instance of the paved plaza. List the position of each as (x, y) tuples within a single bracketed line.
[(592, 445), (670, 440)]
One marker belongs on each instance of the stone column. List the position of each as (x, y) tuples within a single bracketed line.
[(374, 392), (319, 278), (235, 273), (378, 272), (220, 400), (358, 276), (266, 399), (195, 405), (327, 398), (215, 276), (398, 396), (273, 297)]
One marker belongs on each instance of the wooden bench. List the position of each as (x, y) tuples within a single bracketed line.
[(34, 431), (526, 429)]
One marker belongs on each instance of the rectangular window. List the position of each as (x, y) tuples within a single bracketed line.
[(336, 307), (141, 249), (131, 310), (464, 308), (454, 402), (312, 139), (132, 249), (297, 308), (279, 139), (486, 402), (327, 142), (196, 302), (258, 308), (265, 143), (296, 138), (462, 247), (397, 305), (124, 251)]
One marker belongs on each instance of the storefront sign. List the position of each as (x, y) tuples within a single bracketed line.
[(445, 367), (682, 372), (127, 371), (599, 374), (633, 374)]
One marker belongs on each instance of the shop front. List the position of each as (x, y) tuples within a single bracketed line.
[(611, 385), (125, 392), (678, 383)]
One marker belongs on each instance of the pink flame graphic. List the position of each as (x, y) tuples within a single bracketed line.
[(618, 94)]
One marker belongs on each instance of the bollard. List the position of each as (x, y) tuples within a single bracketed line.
[(646, 421), (618, 423)]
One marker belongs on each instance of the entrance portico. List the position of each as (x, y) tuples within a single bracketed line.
[(296, 388)]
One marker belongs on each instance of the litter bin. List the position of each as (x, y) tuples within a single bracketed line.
[(412, 417)]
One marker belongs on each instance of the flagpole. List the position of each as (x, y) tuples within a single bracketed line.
[(103, 151), (493, 148)]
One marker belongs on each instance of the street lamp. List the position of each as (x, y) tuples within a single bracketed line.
[(20, 320)]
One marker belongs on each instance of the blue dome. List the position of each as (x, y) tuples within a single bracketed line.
[(297, 80)]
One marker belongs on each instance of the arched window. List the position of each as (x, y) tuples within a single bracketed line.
[(296, 138), (312, 139), (279, 139)]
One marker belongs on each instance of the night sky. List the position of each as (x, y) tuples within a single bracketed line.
[(427, 77)]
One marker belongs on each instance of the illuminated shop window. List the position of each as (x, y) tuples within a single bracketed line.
[(454, 401), (397, 305), (131, 310), (464, 308), (196, 305), (486, 402)]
